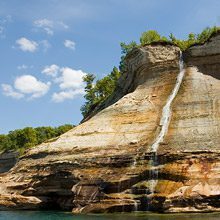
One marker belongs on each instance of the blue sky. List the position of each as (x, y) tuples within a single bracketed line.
[(47, 46)]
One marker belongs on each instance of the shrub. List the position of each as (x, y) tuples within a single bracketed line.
[(151, 36)]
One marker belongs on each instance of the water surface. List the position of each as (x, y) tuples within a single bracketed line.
[(37, 215)]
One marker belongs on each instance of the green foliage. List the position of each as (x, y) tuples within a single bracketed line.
[(151, 36), (90, 94), (22, 139), (194, 38), (61, 130), (5, 142), (99, 91), (206, 34), (125, 49)]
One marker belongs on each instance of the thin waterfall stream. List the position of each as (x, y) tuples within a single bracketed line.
[(164, 123)]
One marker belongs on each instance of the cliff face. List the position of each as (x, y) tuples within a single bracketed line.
[(106, 164), (7, 160), (206, 57)]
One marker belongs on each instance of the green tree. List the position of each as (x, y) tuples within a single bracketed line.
[(89, 94), (44, 134), (26, 137), (151, 36), (62, 129), (22, 139), (194, 38), (125, 49), (98, 92), (5, 142), (206, 34)]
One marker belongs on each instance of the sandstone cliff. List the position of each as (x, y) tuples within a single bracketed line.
[(8, 160), (105, 164)]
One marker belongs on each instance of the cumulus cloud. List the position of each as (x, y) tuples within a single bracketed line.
[(9, 91), (28, 84), (51, 70), (27, 45), (70, 78), (69, 94), (69, 44), (71, 84), (48, 26)]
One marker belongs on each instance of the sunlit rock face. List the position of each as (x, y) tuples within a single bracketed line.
[(103, 164)]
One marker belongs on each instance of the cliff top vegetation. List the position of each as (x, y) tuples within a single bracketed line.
[(96, 92)]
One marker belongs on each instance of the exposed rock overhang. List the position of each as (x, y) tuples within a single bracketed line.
[(206, 57)]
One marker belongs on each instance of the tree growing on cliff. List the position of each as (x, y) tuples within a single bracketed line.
[(89, 94), (97, 92), (125, 49), (151, 36), (194, 38)]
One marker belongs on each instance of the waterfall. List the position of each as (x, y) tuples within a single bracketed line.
[(135, 206), (164, 123), (166, 114)]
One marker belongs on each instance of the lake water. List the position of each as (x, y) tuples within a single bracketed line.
[(28, 215)]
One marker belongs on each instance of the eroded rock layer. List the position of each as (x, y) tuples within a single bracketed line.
[(7, 160), (206, 57), (103, 165)]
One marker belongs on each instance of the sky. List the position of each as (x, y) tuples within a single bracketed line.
[(47, 46)]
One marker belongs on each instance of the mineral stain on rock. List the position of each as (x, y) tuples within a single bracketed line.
[(102, 165)]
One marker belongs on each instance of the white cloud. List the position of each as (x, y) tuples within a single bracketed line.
[(69, 44), (48, 26), (28, 84), (27, 45), (51, 70), (69, 94), (45, 24), (31, 46), (9, 91), (70, 78), (71, 84)]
